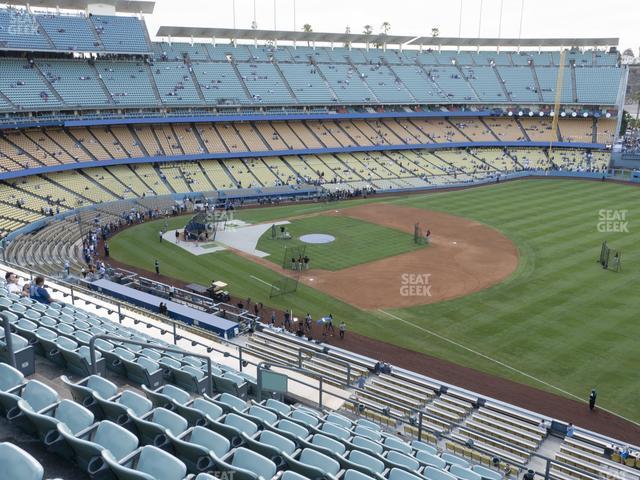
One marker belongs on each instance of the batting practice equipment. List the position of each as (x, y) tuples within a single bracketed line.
[(610, 258), (284, 286), (291, 256)]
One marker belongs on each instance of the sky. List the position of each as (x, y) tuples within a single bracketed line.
[(542, 18)]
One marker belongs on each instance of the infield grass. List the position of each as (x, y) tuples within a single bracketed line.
[(356, 242), (560, 318)]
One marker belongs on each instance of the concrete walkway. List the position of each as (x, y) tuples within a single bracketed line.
[(238, 235)]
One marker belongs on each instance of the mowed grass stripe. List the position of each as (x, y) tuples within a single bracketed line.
[(560, 317)]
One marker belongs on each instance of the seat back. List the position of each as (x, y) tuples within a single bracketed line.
[(486, 473), (367, 461), (320, 460), (232, 401), (248, 460), (176, 394), (329, 444), (335, 430), (464, 473), (454, 460), (293, 428), (278, 406), (339, 420), (402, 459), (160, 464), (352, 474), (437, 474), (208, 408), (119, 441), (263, 414), (367, 432), (283, 444), (305, 418), (397, 444), (421, 446), (10, 378), (399, 474), (15, 463), (169, 420), (210, 440), (136, 402), (73, 415), (242, 424), (38, 395), (370, 445), (101, 386), (429, 459)]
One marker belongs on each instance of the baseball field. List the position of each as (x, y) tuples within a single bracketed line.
[(510, 284)]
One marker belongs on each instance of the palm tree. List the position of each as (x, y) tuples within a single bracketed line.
[(368, 30), (435, 32), (308, 29), (386, 27)]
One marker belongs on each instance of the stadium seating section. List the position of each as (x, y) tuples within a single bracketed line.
[(199, 74), (150, 414)]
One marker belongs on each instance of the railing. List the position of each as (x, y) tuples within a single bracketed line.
[(414, 420)]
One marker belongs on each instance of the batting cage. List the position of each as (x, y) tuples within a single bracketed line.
[(420, 234), (292, 257), (284, 286), (610, 258)]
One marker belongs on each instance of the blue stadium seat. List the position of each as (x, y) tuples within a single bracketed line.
[(15, 463)]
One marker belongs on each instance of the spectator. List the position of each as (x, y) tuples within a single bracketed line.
[(38, 291), (570, 430), (300, 330), (287, 319), (273, 318), (12, 283)]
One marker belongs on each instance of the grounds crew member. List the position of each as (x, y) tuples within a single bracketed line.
[(592, 399)]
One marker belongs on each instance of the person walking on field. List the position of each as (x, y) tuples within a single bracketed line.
[(157, 265), (342, 329), (592, 399), (330, 325)]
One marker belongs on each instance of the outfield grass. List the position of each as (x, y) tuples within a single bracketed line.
[(559, 318), (356, 242)]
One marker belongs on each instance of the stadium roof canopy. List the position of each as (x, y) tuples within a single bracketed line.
[(121, 6), (250, 34), (359, 38), (514, 42)]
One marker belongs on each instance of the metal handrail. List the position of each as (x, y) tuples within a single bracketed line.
[(8, 340)]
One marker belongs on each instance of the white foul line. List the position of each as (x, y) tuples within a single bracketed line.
[(502, 364), (262, 281)]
